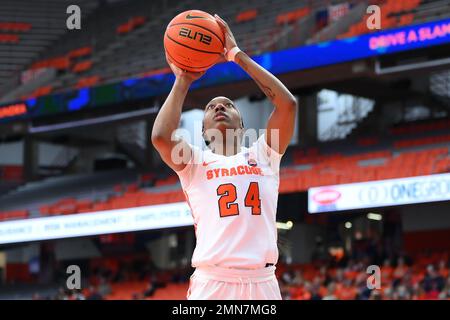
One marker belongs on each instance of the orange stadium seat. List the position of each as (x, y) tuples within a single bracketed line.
[(41, 91), (80, 52), (82, 66), (246, 15), (422, 141), (406, 19), (59, 63), (292, 16), (84, 206), (154, 72), (15, 26), (402, 9), (11, 173), (87, 82), (9, 38), (14, 215), (131, 24), (101, 206)]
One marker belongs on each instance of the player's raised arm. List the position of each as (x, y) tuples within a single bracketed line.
[(168, 119), (283, 117)]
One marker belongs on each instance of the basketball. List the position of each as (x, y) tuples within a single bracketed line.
[(194, 41)]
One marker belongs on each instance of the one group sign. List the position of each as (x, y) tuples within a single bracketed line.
[(384, 193)]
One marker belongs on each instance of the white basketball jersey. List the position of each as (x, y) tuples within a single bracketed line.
[(234, 203)]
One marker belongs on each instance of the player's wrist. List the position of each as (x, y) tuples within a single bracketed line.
[(231, 54), (183, 82)]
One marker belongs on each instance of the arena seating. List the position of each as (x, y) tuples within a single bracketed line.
[(26, 39), (389, 10), (397, 13), (420, 127), (101, 54), (13, 215), (425, 277), (420, 274), (419, 153), (126, 291)]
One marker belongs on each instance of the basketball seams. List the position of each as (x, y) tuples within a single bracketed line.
[(199, 26)]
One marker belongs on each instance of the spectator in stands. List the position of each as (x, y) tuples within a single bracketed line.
[(375, 295), (443, 269), (287, 277), (433, 292), (298, 278), (347, 291), (77, 295), (61, 295), (364, 292), (331, 289), (94, 294), (285, 292), (401, 293), (36, 296), (433, 280), (315, 293), (445, 294), (150, 290), (103, 287), (386, 271), (399, 271)]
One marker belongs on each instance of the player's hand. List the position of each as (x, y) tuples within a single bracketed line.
[(230, 41), (183, 74)]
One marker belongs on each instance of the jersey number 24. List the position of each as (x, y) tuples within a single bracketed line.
[(228, 196)]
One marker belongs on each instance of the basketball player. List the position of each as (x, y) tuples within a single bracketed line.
[(232, 190)]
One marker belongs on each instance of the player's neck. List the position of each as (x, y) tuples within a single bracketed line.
[(225, 149)]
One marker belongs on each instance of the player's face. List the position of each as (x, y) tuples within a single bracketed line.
[(220, 113)]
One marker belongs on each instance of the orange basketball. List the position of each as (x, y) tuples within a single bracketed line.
[(194, 40)]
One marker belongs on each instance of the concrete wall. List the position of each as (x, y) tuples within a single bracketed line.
[(22, 254), (70, 249), (426, 217), (12, 153), (303, 239)]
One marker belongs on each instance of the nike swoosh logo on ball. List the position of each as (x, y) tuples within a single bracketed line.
[(189, 17)]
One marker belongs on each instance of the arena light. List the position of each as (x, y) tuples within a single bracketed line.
[(285, 225), (374, 216)]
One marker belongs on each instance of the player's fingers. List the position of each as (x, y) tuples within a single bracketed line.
[(222, 23), (221, 20), (221, 59)]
